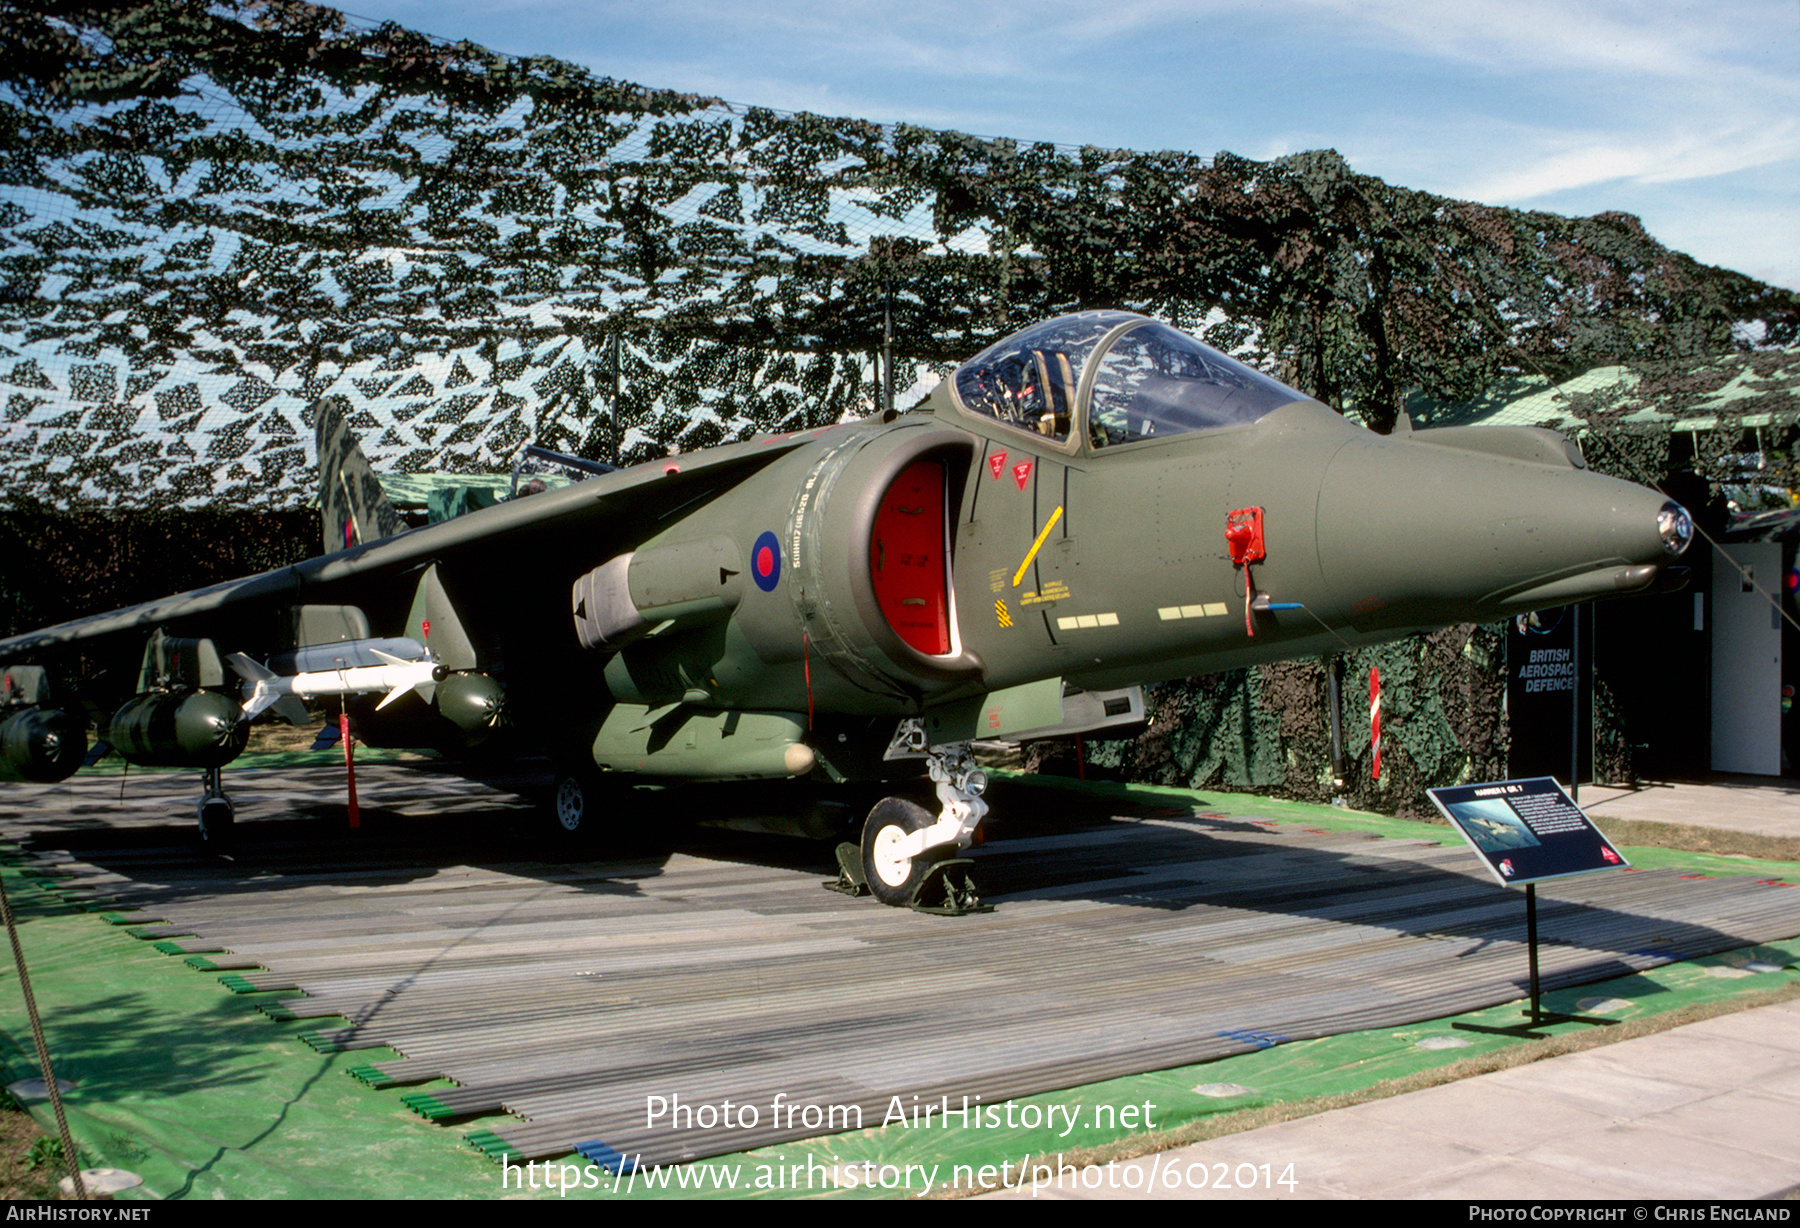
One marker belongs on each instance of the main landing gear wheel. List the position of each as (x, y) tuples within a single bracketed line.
[(893, 878)]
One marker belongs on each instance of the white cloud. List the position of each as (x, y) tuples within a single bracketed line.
[(1637, 37), (1556, 162)]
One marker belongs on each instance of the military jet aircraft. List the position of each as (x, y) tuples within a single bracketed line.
[(1092, 503)]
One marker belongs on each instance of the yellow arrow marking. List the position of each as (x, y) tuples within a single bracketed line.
[(1037, 545)]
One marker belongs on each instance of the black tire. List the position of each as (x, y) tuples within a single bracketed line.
[(891, 880), (218, 823), (577, 806)]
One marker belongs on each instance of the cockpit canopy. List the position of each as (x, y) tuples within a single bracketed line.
[(1113, 378)]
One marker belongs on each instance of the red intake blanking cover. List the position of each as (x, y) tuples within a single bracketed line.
[(907, 558)]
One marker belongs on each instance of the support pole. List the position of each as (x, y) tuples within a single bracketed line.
[(1531, 941), (887, 349), (1334, 685), (71, 1159), (618, 389), (1536, 1017), (1574, 716), (349, 765)]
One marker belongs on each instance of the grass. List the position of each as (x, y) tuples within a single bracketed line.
[(30, 1161), (1690, 839)]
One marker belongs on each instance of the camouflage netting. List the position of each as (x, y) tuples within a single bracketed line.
[(1730, 418), (213, 212), (1269, 728)]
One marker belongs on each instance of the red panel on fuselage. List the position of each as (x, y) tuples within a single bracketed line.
[(907, 558)]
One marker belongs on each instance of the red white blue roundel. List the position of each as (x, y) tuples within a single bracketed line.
[(765, 562)]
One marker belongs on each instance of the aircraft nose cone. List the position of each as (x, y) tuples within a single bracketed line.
[(1425, 532)]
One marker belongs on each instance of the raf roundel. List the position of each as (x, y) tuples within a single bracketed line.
[(765, 562)]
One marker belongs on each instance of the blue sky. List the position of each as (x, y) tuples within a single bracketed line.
[(1686, 114)]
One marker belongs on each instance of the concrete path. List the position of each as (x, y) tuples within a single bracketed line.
[(1706, 1111), (1710, 1110), (1758, 805)]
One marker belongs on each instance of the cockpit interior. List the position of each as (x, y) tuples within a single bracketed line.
[(1108, 378)]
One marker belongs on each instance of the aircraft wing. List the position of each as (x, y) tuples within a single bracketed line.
[(515, 549)]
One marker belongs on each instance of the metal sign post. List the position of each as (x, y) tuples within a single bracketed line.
[(1525, 831)]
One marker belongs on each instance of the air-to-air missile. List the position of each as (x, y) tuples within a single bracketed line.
[(1093, 503), (357, 667)]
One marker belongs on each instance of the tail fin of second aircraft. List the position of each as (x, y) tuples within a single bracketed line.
[(351, 502)]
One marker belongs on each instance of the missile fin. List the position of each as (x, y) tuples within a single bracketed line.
[(426, 691), (248, 669)]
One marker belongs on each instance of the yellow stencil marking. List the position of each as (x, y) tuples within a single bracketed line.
[(1001, 614), (1037, 545), (1056, 590)]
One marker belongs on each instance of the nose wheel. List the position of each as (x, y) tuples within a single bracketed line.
[(906, 857), (889, 873)]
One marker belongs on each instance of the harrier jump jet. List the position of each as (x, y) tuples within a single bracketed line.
[(1095, 502)]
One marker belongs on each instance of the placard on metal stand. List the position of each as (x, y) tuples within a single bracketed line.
[(1526, 831)]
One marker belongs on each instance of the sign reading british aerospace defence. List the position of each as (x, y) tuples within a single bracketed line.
[(1526, 830)]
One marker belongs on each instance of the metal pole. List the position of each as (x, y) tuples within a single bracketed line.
[(887, 349), (1593, 686), (1574, 721), (618, 388), (1531, 941), (71, 1159), (1334, 678)]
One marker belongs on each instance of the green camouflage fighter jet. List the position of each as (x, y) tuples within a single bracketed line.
[(1093, 503)]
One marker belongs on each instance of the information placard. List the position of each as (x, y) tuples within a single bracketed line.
[(1526, 830)]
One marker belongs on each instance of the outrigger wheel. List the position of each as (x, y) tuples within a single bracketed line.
[(586, 805), (218, 817), (575, 808), (933, 881)]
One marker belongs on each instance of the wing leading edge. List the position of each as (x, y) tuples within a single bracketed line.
[(620, 509)]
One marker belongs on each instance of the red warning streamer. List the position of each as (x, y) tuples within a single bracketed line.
[(1375, 722)]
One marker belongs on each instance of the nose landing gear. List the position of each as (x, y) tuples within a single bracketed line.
[(906, 858)]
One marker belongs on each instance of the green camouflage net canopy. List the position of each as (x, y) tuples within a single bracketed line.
[(211, 214)]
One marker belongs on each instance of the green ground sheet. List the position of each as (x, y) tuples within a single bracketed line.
[(188, 1085)]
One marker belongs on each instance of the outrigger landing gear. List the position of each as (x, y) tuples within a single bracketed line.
[(577, 805), (218, 817), (906, 858)]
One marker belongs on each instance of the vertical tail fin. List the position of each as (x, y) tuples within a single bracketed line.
[(351, 501)]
